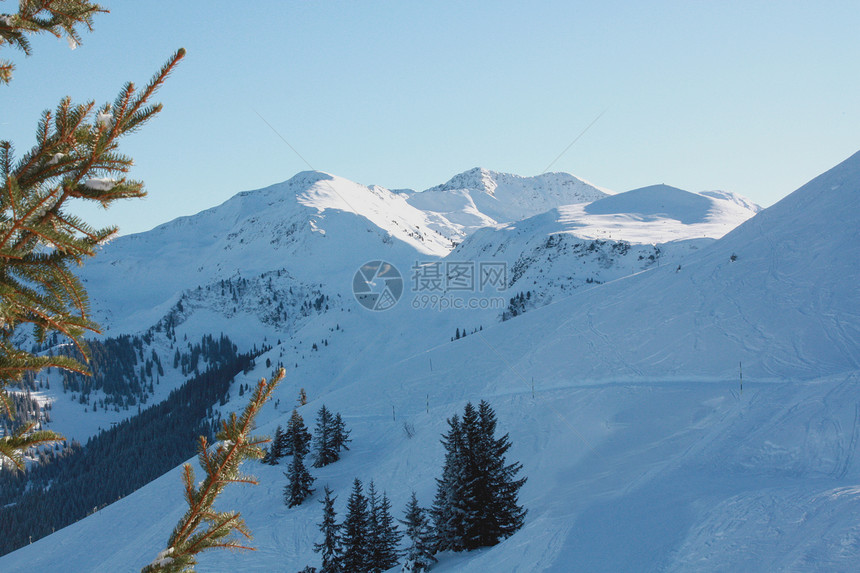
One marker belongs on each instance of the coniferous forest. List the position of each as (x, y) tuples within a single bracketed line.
[(476, 505), (120, 460)]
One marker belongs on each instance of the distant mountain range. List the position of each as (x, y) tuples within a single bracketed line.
[(320, 228)]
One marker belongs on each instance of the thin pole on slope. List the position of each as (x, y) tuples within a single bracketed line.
[(741, 372), (548, 404)]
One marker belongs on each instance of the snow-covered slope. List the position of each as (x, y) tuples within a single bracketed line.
[(623, 403), (652, 476), (661, 213), (778, 293)]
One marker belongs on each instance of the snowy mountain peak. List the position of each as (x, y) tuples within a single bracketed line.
[(477, 178), (317, 190), (309, 177), (480, 197), (488, 181), (298, 182), (667, 211), (663, 201)]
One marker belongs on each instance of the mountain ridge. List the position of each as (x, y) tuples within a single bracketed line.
[(504, 197), (322, 224)]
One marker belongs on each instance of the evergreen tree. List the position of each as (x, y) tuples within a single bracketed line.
[(450, 506), (476, 502), (267, 456), (299, 485), (419, 554), (383, 536), (373, 529), (324, 448), (496, 488), (354, 531), (476, 469), (340, 439), (296, 438), (275, 449), (330, 547), (75, 160)]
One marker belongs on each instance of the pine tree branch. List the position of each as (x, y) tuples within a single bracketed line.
[(54, 17), (37, 238), (13, 446), (221, 464), (100, 141)]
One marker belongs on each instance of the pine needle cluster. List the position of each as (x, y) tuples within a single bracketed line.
[(55, 17), (202, 527)]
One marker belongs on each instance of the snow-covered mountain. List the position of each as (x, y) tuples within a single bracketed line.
[(623, 401), (778, 293), (666, 213), (582, 245), (317, 226), (479, 197)]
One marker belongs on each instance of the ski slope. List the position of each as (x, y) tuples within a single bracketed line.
[(622, 476)]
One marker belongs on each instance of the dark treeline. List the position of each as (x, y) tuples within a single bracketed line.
[(275, 297), (118, 461), (126, 372), (114, 363)]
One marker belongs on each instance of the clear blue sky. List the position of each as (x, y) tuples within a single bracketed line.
[(751, 97)]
